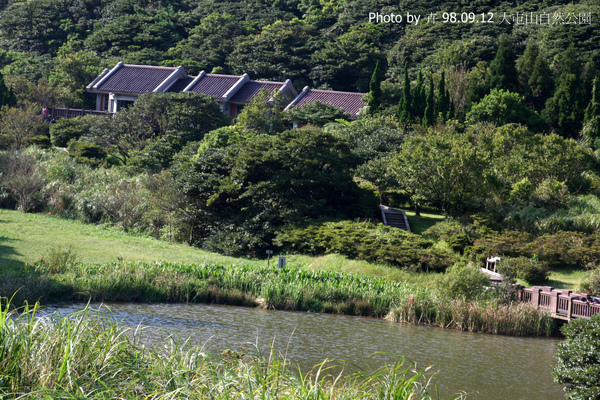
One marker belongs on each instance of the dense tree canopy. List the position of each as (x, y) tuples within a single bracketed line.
[(470, 116), (249, 188)]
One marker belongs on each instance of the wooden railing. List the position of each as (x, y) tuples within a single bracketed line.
[(562, 304), (58, 112)]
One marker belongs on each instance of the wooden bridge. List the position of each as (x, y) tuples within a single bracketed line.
[(562, 304), (59, 112)]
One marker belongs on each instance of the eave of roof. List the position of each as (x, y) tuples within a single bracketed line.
[(214, 85), (252, 88), (127, 78), (350, 102)]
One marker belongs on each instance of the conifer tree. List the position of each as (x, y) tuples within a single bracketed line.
[(565, 109), (442, 105), (429, 116), (503, 72), (374, 102), (525, 67), (540, 83), (7, 97), (592, 112), (418, 98), (405, 110)]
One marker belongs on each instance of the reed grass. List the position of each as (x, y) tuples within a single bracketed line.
[(292, 288), (88, 355), (515, 319)]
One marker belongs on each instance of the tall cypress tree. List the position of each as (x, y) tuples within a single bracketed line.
[(418, 98), (540, 84), (503, 72), (442, 104), (374, 102), (565, 109), (525, 67), (592, 112), (7, 97), (429, 116), (405, 113)]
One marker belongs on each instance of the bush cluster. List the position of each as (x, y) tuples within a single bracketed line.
[(463, 282), (530, 270), (365, 241), (561, 249)]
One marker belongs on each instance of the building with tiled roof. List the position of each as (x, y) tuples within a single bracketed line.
[(350, 102), (122, 85)]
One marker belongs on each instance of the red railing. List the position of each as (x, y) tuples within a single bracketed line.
[(59, 112), (561, 303)]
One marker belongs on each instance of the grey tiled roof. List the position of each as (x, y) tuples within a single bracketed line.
[(348, 101), (180, 84), (215, 85), (136, 79), (251, 89)]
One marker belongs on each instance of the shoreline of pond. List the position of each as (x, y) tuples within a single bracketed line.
[(309, 338), (293, 289)]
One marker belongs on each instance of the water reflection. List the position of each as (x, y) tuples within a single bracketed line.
[(485, 366)]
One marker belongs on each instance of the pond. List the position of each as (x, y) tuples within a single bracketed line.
[(485, 366)]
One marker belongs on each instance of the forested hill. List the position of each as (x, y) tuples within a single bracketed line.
[(62, 45)]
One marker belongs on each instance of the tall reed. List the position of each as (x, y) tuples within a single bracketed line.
[(87, 355), (515, 319), (292, 288)]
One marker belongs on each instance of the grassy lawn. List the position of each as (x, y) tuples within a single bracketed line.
[(25, 238), (419, 224), (566, 278)]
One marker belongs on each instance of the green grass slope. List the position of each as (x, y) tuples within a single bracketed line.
[(25, 238)]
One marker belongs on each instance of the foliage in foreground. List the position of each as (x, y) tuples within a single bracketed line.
[(579, 359), (293, 288), (87, 355)]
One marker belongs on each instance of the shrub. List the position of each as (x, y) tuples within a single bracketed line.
[(530, 270), (365, 241), (57, 259), (459, 242), (41, 141), (522, 190), (67, 129), (88, 153), (444, 229), (579, 359), (462, 282), (504, 107), (561, 249), (22, 178), (591, 283), (507, 243), (565, 249), (551, 194)]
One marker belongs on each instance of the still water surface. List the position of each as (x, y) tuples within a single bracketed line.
[(487, 367)]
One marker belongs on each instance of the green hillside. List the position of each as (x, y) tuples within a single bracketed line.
[(330, 43), (25, 238)]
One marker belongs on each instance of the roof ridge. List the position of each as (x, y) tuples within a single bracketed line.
[(149, 66), (272, 82), (225, 76), (335, 91)]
